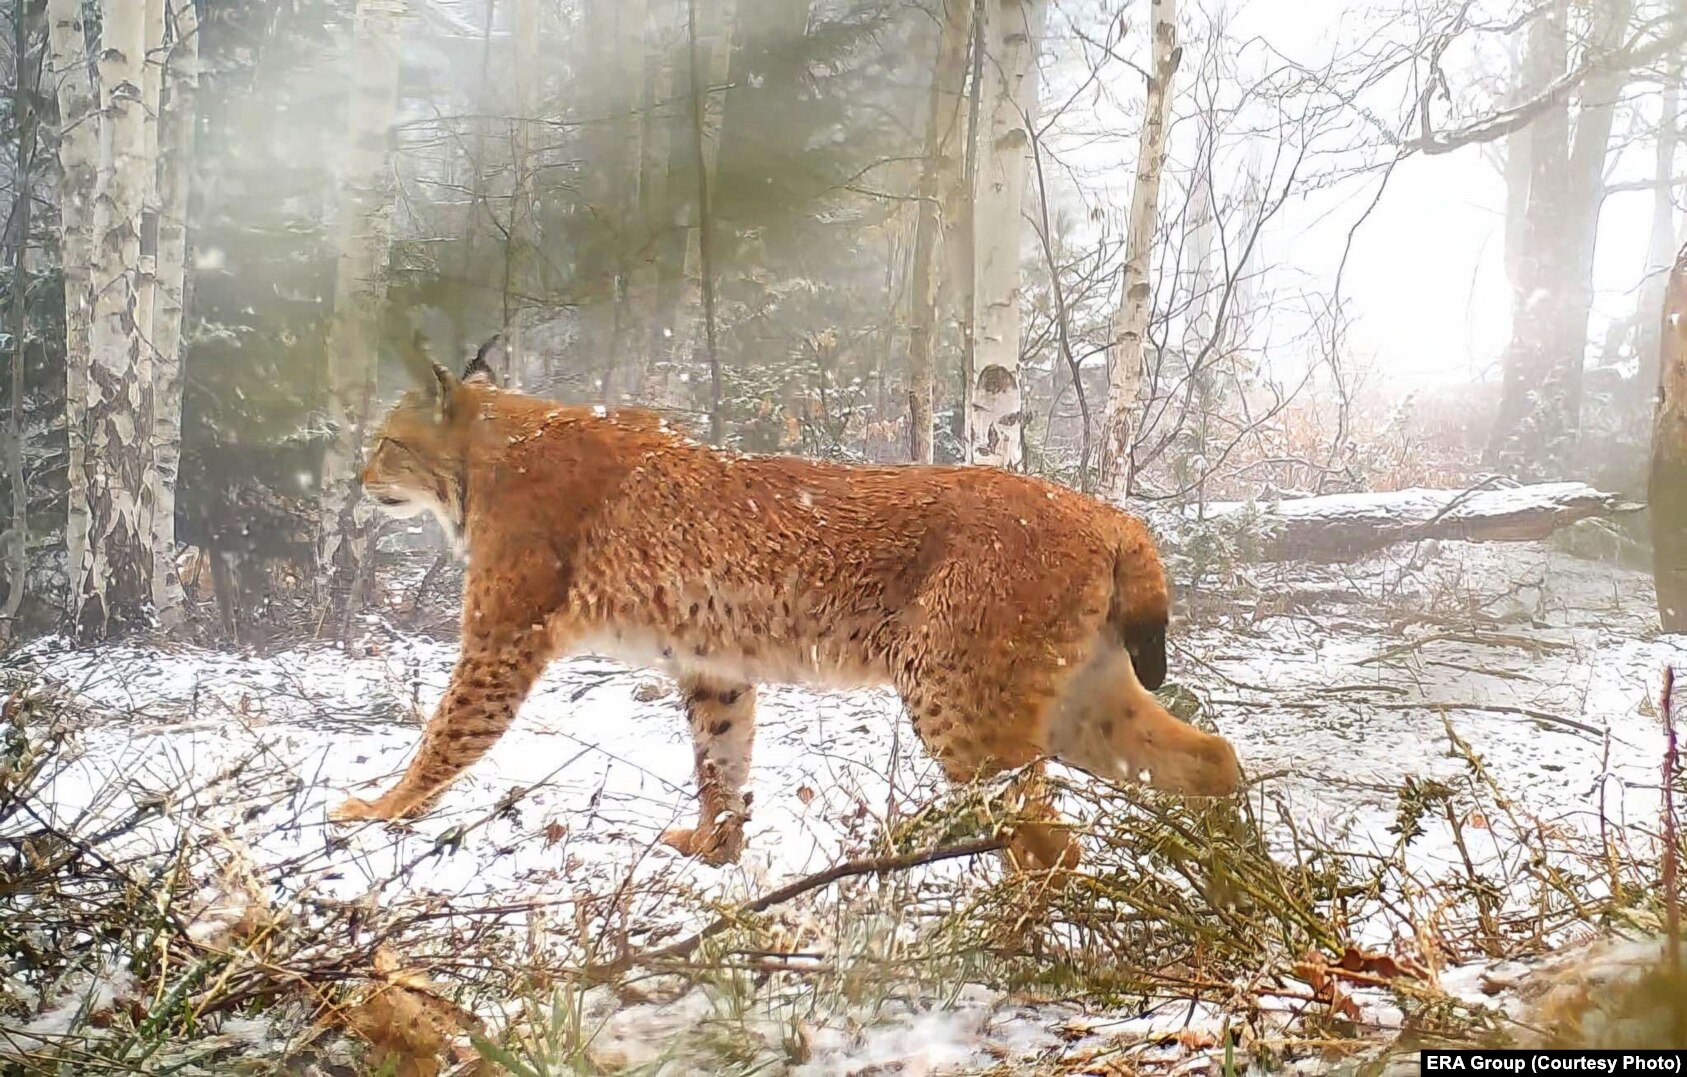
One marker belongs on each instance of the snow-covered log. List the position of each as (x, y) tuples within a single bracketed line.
[(1342, 527)]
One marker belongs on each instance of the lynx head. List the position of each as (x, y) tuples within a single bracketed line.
[(416, 463)]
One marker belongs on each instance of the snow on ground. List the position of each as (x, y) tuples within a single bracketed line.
[(1541, 662)]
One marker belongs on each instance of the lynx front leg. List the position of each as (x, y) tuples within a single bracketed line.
[(723, 730), (490, 680)]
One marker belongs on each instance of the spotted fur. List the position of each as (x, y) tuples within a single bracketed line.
[(1017, 619)]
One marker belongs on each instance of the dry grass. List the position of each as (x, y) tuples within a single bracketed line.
[(160, 945)]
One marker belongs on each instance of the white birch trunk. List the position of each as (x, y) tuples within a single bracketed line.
[(114, 581), (1124, 380), (78, 177), (175, 161), (364, 228), (954, 291), (152, 86), (1013, 31)]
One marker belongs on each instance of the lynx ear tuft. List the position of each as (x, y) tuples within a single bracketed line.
[(479, 371)]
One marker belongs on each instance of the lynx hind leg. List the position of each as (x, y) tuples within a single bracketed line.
[(1107, 723), (722, 715), (957, 734)]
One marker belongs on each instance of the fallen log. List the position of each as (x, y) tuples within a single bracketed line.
[(1344, 527)]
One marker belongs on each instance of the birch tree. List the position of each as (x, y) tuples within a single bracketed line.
[(1124, 380), (177, 115), (112, 584), (1013, 32), (364, 236), (940, 177), (67, 47)]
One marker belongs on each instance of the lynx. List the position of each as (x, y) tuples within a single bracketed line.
[(1018, 620)]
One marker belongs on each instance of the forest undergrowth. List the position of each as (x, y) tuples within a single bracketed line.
[(152, 926)]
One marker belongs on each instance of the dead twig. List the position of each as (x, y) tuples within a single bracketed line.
[(877, 865)]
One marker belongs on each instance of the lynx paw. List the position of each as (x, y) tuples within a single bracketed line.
[(355, 808), (717, 845)]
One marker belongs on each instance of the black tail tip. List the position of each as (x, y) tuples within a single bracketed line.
[(1147, 647)]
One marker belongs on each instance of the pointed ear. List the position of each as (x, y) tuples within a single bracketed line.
[(444, 386), (479, 370)]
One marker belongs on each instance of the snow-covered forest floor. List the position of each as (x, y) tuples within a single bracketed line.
[(1455, 752)]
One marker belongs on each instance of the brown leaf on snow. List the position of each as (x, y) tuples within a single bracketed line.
[(1195, 1040), (1322, 977), (1381, 966), (805, 794), (555, 832), (413, 1029)]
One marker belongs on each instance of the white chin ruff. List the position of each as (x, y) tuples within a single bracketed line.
[(411, 505)]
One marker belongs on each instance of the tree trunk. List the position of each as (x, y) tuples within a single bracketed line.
[(25, 87), (1553, 282), (1660, 245), (519, 242), (940, 176), (1668, 485), (1516, 172), (710, 52), (1518, 435), (641, 324), (364, 236), (113, 583), (668, 149), (1202, 352), (1124, 380), (960, 212), (152, 88), (1013, 33), (67, 46), (634, 288), (175, 161), (1589, 150)]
